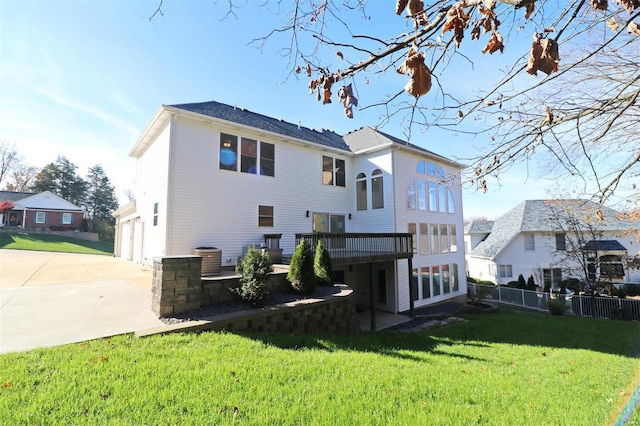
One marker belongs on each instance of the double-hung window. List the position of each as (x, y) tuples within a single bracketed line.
[(529, 242), (265, 216), (41, 217), (66, 218), (505, 271), (333, 171)]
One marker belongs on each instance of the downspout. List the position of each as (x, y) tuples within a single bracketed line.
[(24, 218)]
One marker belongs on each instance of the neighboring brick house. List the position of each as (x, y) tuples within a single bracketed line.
[(210, 174), (40, 210)]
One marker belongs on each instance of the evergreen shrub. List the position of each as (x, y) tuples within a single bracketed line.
[(322, 266), (254, 269), (301, 274)]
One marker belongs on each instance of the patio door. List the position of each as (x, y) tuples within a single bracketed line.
[(334, 223)]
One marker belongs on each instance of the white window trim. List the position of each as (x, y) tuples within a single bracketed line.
[(43, 215)]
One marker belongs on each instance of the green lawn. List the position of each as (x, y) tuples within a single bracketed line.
[(510, 368), (44, 242)]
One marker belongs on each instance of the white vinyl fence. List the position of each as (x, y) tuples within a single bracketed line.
[(588, 306)]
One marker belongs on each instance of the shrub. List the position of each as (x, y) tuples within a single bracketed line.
[(557, 306), (254, 269), (301, 275), (531, 284), (322, 265), (522, 284)]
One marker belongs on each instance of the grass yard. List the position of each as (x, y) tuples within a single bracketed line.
[(45, 242), (510, 368)]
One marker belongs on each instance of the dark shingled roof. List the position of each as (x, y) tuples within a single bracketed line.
[(233, 114), (604, 245), (479, 227), (14, 196), (368, 137)]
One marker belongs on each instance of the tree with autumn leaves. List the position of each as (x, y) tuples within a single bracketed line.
[(570, 93)]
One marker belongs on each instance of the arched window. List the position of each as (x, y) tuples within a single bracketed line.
[(452, 204), (361, 191), (377, 190), (421, 167)]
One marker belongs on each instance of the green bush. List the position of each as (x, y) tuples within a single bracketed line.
[(301, 275), (322, 265), (254, 269), (521, 282), (531, 284), (557, 306)]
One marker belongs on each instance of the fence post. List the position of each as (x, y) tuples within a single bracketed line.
[(499, 294), (522, 292)]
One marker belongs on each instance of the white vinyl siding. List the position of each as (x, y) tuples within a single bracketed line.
[(201, 216)]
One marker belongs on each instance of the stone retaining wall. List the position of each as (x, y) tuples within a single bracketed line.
[(177, 287)]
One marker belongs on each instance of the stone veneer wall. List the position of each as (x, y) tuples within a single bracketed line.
[(178, 288)]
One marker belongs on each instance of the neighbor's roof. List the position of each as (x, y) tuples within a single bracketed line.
[(248, 118), (479, 227), (545, 216), (14, 196), (368, 138), (604, 245)]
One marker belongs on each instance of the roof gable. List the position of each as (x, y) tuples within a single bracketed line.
[(46, 201), (368, 138)]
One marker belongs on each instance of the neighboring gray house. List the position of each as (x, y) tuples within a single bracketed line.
[(532, 239)]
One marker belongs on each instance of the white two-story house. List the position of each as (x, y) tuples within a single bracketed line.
[(552, 240), (213, 175)]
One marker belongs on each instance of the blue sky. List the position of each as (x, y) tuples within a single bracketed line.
[(83, 79)]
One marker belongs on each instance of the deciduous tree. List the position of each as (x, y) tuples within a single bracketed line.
[(569, 94)]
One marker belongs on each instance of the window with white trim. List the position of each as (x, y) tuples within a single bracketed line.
[(411, 229), (41, 217), (155, 214), (529, 242), (333, 171), (251, 155), (265, 216), (66, 218), (505, 271), (361, 191), (377, 190)]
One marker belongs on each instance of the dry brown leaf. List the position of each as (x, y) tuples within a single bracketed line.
[(460, 114), (416, 11), (600, 4), (600, 214), (612, 24), (544, 56), (629, 5), (633, 28), (347, 99), (420, 81), (340, 55), (457, 20), (530, 8), (400, 6), (308, 70), (494, 44), (298, 69)]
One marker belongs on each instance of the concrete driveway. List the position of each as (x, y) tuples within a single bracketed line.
[(49, 299)]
